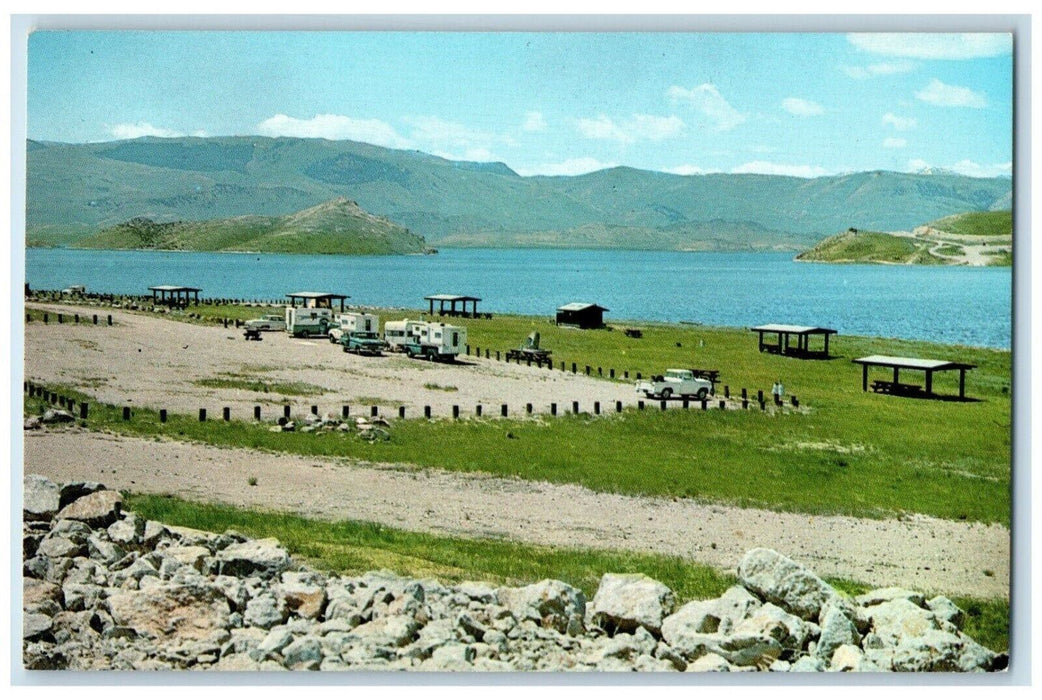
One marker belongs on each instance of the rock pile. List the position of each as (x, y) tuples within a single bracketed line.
[(107, 589)]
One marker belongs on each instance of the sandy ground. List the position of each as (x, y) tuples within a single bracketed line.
[(151, 361), (919, 553)]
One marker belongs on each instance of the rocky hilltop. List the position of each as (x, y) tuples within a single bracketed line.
[(106, 589)]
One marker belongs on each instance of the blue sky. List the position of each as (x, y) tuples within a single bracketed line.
[(550, 103)]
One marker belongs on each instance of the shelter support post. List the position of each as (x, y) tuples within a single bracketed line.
[(962, 383), (929, 382), (864, 377)]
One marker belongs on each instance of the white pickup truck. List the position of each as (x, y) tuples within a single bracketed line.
[(680, 383), (270, 322)]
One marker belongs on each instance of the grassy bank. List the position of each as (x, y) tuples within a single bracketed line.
[(349, 547)]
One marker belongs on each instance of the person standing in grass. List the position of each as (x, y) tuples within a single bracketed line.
[(777, 391)]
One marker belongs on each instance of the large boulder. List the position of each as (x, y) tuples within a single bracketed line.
[(172, 613), (624, 602), (784, 582), (265, 558), (98, 510), (41, 497), (549, 601)]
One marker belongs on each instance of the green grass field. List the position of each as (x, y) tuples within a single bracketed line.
[(348, 547), (852, 452), (977, 223)]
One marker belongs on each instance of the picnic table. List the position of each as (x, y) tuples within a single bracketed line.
[(712, 375), (252, 334), (881, 386), (634, 333)]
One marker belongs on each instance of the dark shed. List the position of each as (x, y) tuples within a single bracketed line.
[(581, 315)]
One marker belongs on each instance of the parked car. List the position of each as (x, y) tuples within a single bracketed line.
[(680, 383), (268, 322)]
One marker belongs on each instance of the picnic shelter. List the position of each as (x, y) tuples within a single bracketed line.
[(785, 333), (316, 300), (452, 300), (174, 295), (896, 364)]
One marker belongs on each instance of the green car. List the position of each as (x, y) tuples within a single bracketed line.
[(362, 343)]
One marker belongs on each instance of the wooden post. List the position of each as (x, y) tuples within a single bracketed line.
[(596, 408), (477, 410), (503, 410), (345, 411), (640, 405), (705, 404), (256, 413), (497, 355), (401, 411), (202, 415), (426, 411), (110, 319), (45, 318), (83, 410), (61, 318), (727, 391), (745, 402), (226, 413), (95, 319), (126, 413), (553, 409), (573, 364), (455, 411), (374, 411), (618, 407), (662, 404), (486, 353), (314, 410), (528, 408), (864, 377), (795, 402), (587, 370), (723, 404), (575, 407), (626, 374), (162, 415), (759, 395), (638, 376), (285, 410), (929, 382), (685, 404), (962, 383)]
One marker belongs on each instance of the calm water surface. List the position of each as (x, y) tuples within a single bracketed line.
[(970, 306)]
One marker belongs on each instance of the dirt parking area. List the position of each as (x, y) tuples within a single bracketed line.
[(159, 363)]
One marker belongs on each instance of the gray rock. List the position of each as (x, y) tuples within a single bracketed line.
[(275, 641), (77, 489), (172, 612), (194, 556), (709, 663), (885, 595), (784, 582), (32, 423), (41, 497), (104, 551), (71, 530), (57, 547), (808, 664), (98, 510), (694, 619), (305, 652), (56, 415), (37, 592), (836, 631), (945, 609), (940, 650), (81, 596), (734, 606), (900, 618), (848, 658), (552, 602), (35, 626), (481, 592), (750, 650), (626, 602), (266, 558), (127, 531), (771, 621), (390, 630), (264, 611)]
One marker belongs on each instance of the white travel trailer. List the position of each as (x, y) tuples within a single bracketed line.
[(315, 314), (354, 322), (438, 341), (400, 333)]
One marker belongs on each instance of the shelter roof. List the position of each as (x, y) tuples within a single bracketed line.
[(911, 363), (174, 288), (799, 330), (580, 306)]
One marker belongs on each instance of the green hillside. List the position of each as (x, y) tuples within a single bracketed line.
[(335, 227), (869, 247), (977, 223), (88, 187)]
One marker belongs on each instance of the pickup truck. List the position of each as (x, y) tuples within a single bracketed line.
[(362, 343), (680, 383), (270, 322)]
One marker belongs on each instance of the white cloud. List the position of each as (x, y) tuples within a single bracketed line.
[(572, 166), (899, 123), (934, 46), (685, 170), (708, 101), (639, 127), (534, 121), (334, 127), (972, 169), (603, 128), (133, 131), (876, 69), (891, 142), (945, 95), (762, 167), (801, 107)]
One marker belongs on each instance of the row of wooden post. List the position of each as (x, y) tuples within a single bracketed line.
[(53, 397), (61, 318)]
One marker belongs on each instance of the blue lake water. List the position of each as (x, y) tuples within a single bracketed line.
[(970, 306)]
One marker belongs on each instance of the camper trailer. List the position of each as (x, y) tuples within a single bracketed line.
[(303, 322), (437, 341), (399, 333), (354, 322)]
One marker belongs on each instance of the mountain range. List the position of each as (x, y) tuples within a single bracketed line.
[(76, 190)]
